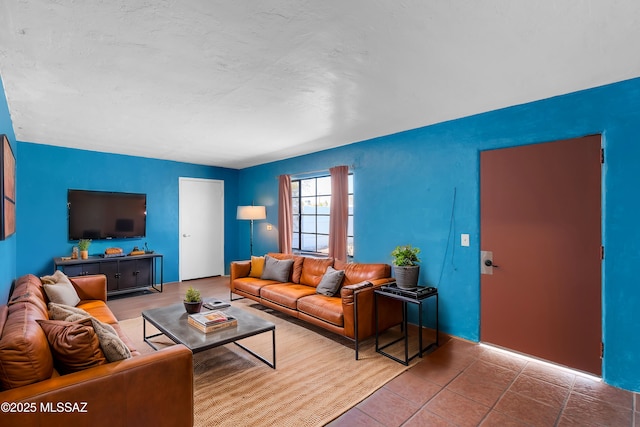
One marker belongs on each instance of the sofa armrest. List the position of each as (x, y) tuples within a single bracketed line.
[(347, 292), (350, 289), (363, 293), (152, 389), (91, 287), (238, 270)]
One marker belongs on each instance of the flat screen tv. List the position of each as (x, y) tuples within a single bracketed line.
[(106, 215)]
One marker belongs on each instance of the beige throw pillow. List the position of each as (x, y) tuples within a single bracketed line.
[(59, 289)]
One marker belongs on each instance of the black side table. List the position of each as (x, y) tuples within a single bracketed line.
[(416, 297)]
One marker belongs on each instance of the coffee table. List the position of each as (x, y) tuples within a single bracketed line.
[(172, 322)]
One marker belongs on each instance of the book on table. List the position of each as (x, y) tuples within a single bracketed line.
[(216, 304), (210, 321)]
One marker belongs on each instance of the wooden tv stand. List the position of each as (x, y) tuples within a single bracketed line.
[(124, 274)]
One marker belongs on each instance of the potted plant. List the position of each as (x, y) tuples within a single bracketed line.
[(192, 300), (405, 266), (83, 246)]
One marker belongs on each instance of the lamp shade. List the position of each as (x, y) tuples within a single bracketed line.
[(251, 212)]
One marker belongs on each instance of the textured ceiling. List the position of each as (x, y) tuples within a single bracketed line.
[(240, 83)]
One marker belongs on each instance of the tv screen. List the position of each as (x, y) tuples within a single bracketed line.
[(106, 215)]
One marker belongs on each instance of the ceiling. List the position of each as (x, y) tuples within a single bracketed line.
[(240, 83)]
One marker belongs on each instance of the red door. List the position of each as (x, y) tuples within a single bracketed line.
[(540, 208)]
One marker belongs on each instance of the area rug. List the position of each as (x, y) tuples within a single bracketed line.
[(316, 380)]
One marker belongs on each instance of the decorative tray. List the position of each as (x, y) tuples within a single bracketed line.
[(418, 292)]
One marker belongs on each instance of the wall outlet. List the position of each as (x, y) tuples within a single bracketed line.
[(464, 240), (269, 227)]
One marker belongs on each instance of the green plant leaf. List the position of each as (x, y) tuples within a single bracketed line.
[(405, 255), (192, 295), (83, 244)]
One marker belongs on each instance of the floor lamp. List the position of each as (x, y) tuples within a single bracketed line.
[(251, 213)]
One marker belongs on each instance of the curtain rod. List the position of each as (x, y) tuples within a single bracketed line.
[(351, 168)]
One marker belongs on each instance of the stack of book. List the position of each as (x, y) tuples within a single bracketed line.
[(210, 321)]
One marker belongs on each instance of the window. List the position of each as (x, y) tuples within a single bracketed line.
[(311, 206)]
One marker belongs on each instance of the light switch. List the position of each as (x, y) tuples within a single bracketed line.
[(464, 240), (269, 227)]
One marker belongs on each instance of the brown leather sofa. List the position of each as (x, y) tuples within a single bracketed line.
[(151, 389), (350, 313)]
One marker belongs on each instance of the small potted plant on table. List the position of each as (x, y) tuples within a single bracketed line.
[(83, 247), (405, 266), (192, 301)]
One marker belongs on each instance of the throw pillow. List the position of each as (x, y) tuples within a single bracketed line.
[(330, 282), (112, 346), (277, 269), (74, 345), (59, 289), (257, 266)]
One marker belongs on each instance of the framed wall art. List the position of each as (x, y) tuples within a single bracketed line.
[(7, 189)]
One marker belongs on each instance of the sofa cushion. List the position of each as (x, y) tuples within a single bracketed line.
[(251, 285), (25, 357), (313, 269), (323, 307), (331, 281), (29, 289), (26, 283), (277, 269), (74, 345), (30, 298), (113, 347), (99, 310), (257, 266), (286, 294), (125, 339), (356, 272), (297, 264), (4, 313), (59, 289)]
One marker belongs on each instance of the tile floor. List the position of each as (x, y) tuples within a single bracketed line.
[(465, 384)]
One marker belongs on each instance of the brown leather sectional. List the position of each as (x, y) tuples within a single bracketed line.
[(151, 389), (298, 296)]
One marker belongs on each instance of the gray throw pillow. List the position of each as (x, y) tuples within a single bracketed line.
[(330, 282), (112, 346), (276, 269)]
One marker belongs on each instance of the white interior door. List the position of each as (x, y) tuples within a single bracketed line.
[(201, 225)]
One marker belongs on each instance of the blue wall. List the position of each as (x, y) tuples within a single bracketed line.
[(422, 187), (8, 246), (46, 173)]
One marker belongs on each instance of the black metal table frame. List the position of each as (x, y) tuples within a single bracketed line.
[(405, 330), (154, 273), (234, 340)]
